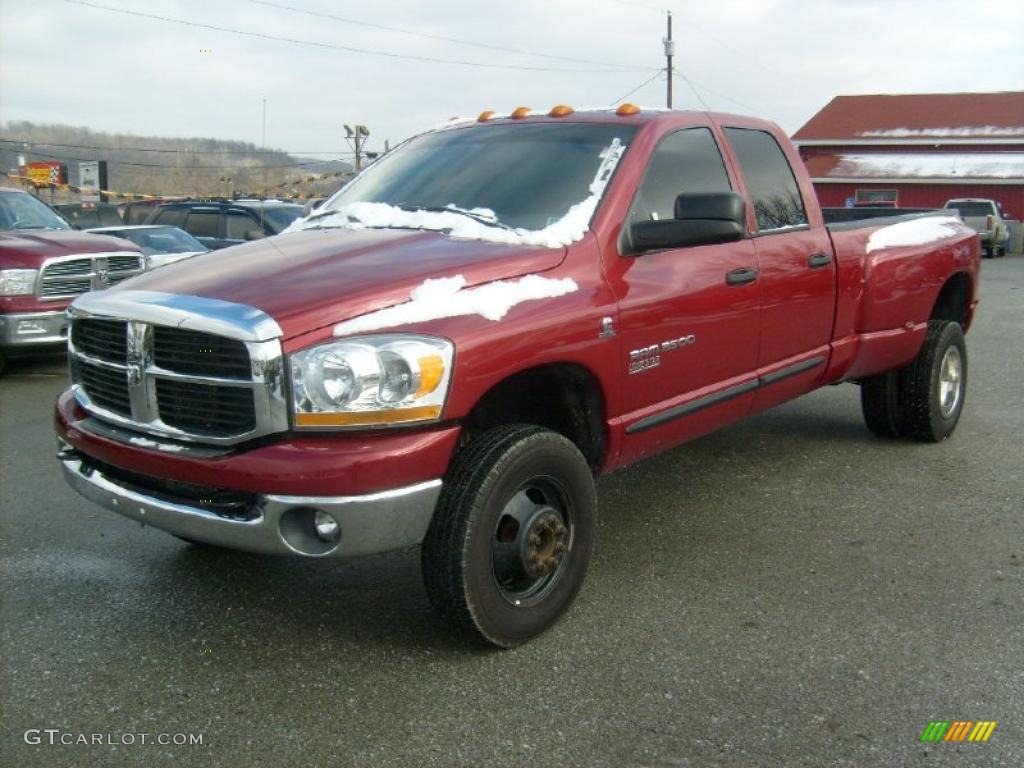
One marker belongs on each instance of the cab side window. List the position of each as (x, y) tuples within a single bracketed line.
[(770, 181), (687, 161)]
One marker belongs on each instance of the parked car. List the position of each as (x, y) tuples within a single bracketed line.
[(986, 218), (43, 265), (160, 245), (137, 211), (220, 224), (447, 352), (88, 215)]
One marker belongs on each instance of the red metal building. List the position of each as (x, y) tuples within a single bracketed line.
[(917, 151)]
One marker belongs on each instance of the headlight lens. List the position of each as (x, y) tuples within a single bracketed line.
[(370, 381), (18, 282)]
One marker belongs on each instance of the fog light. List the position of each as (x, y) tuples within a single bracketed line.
[(327, 527)]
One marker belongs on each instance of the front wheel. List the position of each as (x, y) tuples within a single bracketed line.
[(512, 535)]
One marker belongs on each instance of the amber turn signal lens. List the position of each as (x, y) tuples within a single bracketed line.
[(486, 115), (561, 111), (519, 113), (627, 109), (431, 373), (368, 418)]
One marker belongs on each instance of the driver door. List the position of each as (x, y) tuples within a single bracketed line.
[(689, 316)]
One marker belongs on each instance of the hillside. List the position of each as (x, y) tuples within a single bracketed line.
[(167, 166)]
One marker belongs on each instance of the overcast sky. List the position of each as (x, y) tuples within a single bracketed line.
[(783, 59)]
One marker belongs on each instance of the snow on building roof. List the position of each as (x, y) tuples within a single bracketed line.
[(982, 116), (919, 165)]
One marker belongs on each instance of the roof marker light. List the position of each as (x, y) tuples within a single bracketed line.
[(627, 109), (561, 110), (519, 113), (487, 114)]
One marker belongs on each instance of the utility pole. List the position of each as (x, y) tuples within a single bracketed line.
[(670, 51), (357, 139)]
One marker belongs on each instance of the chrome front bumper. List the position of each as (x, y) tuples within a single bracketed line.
[(37, 328), (282, 525)]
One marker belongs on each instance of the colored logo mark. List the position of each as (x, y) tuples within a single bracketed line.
[(958, 730)]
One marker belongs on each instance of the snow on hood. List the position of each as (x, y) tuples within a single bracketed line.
[(568, 229), (448, 297), (916, 232)]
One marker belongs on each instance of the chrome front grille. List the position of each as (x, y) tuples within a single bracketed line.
[(172, 381), (68, 276)]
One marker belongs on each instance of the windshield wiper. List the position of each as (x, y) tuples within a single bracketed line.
[(469, 214)]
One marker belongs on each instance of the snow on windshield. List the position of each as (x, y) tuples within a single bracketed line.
[(916, 232), (480, 224)]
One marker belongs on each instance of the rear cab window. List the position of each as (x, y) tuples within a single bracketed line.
[(771, 184)]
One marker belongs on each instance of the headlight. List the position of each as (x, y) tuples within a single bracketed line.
[(370, 381), (18, 282)]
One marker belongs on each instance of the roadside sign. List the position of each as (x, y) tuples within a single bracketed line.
[(89, 181), (851, 202)]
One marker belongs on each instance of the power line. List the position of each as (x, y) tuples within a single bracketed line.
[(178, 151), (630, 93), (695, 85), (331, 46), (189, 168), (442, 38)]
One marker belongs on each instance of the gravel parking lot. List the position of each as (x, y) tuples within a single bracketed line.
[(791, 591)]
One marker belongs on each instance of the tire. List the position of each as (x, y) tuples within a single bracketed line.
[(934, 386), (880, 404), (512, 494)]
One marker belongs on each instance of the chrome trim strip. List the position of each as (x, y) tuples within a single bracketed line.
[(679, 411), (791, 370), (194, 313)]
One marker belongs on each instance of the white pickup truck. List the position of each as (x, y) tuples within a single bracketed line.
[(987, 219)]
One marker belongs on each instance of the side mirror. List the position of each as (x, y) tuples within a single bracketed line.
[(700, 219), (254, 234)]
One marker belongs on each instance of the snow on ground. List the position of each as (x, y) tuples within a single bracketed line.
[(998, 165), (449, 297), (916, 232)]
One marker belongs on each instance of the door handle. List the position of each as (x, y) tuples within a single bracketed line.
[(819, 260), (741, 276)]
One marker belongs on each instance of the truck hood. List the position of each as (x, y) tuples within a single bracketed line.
[(307, 280), (28, 248)]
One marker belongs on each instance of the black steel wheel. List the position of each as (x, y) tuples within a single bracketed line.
[(512, 535)]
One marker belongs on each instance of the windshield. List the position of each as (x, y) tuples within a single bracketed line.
[(20, 211), (159, 240), (519, 176), (971, 209), (278, 216)]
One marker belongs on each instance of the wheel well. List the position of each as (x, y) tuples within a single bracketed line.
[(564, 397), (953, 300)]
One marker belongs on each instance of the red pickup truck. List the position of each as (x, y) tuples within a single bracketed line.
[(448, 350), (43, 266)]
